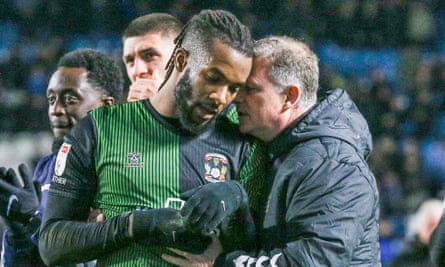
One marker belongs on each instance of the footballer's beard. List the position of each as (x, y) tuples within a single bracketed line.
[(183, 93)]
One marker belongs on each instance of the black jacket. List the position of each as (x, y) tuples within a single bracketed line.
[(437, 243), (323, 207)]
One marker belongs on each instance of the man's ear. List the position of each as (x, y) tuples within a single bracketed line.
[(107, 100), (181, 58), (292, 96)]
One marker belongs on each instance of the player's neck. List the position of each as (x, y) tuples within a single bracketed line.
[(164, 101)]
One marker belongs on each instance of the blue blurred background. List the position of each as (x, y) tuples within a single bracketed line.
[(389, 55)]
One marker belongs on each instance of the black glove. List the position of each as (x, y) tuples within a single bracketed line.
[(23, 232), (191, 241), (17, 203), (238, 232), (207, 206), (157, 226), (165, 227)]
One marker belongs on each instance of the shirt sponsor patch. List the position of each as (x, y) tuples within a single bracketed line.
[(245, 260), (61, 159), (216, 166), (58, 180), (45, 187)]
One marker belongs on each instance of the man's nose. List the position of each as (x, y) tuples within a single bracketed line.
[(57, 108), (141, 69), (222, 95)]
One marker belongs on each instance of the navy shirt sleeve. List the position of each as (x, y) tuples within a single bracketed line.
[(65, 236)]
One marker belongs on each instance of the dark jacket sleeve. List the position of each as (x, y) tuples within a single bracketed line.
[(437, 243), (65, 236), (324, 211)]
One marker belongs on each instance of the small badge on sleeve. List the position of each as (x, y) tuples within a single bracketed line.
[(61, 159)]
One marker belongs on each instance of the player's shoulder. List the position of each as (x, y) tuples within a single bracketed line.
[(228, 118), (227, 129), (115, 112), (116, 108), (231, 114)]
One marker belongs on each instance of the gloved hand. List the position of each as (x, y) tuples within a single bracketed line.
[(165, 227), (207, 206), (238, 232), (157, 226), (191, 241), (187, 259), (18, 203)]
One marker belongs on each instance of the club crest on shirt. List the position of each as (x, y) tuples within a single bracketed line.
[(134, 158), (216, 166), (61, 159)]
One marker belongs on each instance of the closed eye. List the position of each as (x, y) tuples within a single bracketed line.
[(235, 88), (215, 78), (249, 89)]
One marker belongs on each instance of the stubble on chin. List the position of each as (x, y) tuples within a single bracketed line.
[(183, 93)]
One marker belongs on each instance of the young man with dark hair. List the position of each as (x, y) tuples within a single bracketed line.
[(133, 159), (148, 42), (84, 79)]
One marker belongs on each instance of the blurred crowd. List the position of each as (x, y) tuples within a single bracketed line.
[(388, 54)]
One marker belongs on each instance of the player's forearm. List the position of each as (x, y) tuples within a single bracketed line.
[(64, 242)]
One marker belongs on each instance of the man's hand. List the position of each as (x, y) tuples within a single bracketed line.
[(96, 215), (207, 206), (165, 227), (143, 88), (185, 259), (18, 203), (158, 226)]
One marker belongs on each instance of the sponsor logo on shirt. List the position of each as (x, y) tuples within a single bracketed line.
[(58, 180), (133, 158), (215, 166), (246, 260), (45, 187), (61, 159)]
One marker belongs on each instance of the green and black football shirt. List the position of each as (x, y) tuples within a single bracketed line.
[(128, 156)]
